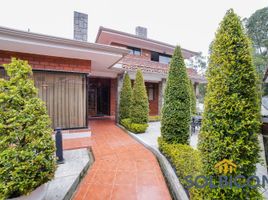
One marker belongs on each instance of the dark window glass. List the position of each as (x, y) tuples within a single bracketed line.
[(154, 56), (3, 73)]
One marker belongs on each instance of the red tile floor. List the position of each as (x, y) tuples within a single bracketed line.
[(123, 168)]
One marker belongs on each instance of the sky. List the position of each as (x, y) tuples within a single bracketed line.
[(189, 23)]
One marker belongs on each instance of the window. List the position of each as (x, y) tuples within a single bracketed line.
[(154, 56), (159, 57), (135, 51), (151, 92), (165, 59)]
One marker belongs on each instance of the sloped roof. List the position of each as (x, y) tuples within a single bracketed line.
[(132, 63), (107, 36)]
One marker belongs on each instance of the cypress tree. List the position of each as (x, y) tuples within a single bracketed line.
[(231, 120), (193, 98), (140, 104), (176, 115), (125, 98)]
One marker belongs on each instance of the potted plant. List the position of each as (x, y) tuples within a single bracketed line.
[(27, 159)]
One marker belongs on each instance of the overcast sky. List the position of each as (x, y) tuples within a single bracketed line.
[(189, 23)]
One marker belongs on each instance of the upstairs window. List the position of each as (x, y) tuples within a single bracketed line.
[(135, 51), (154, 56), (165, 59), (159, 57)]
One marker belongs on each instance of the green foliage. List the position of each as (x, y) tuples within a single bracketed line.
[(133, 127), (176, 114), (231, 120), (155, 118), (192, 98), (186, 161), (202, 87), (125, 99), (257, 30), (140, 103), (26, 145)]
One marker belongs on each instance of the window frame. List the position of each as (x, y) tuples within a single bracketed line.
[(135, 51)]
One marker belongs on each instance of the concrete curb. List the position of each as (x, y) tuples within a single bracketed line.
[(71, 192), (176, 189)]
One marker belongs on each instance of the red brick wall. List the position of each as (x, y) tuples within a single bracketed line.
[(113, 97), (153, 104), (48, 63)]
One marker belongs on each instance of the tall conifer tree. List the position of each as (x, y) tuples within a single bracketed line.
[(231, 120)]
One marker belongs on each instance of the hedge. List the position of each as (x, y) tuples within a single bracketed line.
[(134, 127), (186, 161)]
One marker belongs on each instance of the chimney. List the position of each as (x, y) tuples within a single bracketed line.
[(80, 26), (141, 32)]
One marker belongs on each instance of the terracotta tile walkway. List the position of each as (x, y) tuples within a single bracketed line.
[(123, 168)]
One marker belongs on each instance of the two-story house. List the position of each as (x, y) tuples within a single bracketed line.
[(79, 80)]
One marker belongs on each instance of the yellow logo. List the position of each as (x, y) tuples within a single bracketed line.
[(225, 166)]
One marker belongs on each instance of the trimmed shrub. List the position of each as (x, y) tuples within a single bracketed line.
[(125, 99), (231, 119), (192, 98), (176, 115), (140, 103), (186, 161), (126, 123), (155, 118), (135, 128), (26, 145)]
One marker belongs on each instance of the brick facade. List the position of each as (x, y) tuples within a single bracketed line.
[(48, 63)]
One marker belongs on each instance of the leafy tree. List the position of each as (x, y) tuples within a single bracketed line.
[(26, 145), (198, 62), (140, 103), (193, 97), (257, 29), (176, 115), (125, 99), (231, 120)]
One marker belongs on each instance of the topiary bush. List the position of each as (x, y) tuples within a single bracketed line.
[(186, 161), (155, 118), (125, 99), (133, 127), (176, 116), (192, 98), (26, 146), (140, 103), (231, 119)]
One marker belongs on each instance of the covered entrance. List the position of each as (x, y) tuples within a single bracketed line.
[(99, 96)]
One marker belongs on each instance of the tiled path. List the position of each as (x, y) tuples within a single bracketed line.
[(123, 168)]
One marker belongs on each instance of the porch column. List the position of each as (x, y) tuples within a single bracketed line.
[(119, 87), (162, 86)]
